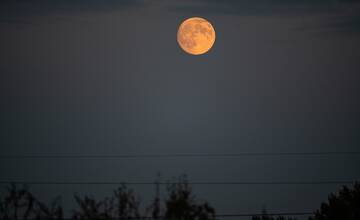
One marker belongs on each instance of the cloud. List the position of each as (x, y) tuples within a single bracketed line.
[(350, 24), (250, 7), (339, 23), (344, 14), (18, 11)]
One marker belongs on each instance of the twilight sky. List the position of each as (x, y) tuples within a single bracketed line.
[(107, 77)]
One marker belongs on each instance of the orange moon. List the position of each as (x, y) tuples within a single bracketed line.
[(196, 36)]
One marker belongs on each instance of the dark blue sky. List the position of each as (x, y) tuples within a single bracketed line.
[(107, 77)]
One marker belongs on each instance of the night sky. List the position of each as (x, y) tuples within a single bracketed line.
[(108, 78)]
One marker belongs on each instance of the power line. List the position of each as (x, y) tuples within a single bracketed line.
[(166, 183), (185, 155)]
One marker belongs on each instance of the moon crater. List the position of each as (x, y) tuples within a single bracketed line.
[(196, 36)]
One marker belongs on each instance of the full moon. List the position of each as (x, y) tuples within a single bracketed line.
[(196, 36)]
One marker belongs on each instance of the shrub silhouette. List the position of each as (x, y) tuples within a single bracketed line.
[(345, 205)]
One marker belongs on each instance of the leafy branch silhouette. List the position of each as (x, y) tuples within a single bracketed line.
[(180, 203)]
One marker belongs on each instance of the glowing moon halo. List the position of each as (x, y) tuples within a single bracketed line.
[(196, 36)]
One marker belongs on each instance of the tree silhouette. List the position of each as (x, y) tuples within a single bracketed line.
[(52, 212), (344, 205), (89, 208), (127, 205), (123, 205), (181, 205), (19, 203)]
